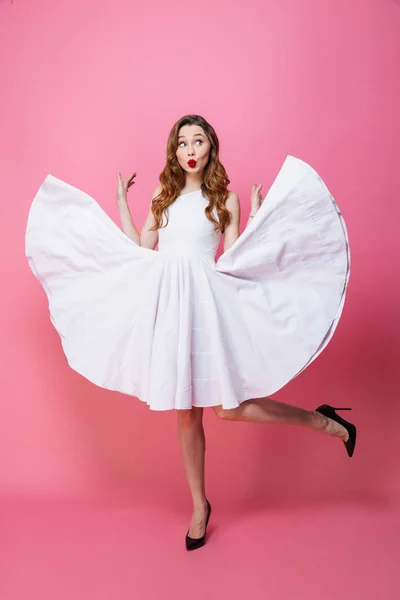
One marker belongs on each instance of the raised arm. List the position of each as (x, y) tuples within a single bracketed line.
[(146, 238), (149, 239), (232, 231)]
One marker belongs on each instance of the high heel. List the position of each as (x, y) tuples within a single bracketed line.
[(329, 411), (194, 543)]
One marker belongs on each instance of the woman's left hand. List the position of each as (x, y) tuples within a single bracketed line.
[(256, 197)]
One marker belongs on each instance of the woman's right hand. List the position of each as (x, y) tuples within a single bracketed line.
[(123, 186)]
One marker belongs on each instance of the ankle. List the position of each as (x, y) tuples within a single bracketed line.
[(330, 427), (200, 504), (320, 422)]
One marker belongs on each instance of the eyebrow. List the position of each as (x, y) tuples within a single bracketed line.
[(179, 136)]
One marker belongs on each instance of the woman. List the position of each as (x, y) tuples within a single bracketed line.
[(177, 329)]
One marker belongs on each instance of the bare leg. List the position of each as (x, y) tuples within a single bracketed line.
[(193, 445), (265, 410)]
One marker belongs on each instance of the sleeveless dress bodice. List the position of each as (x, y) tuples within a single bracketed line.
[(189, 232)]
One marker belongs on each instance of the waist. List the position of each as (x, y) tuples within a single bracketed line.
[(186, 250)]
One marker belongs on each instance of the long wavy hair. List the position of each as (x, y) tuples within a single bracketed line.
[(172, 178)]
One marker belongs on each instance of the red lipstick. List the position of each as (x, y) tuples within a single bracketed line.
[(192, 162)]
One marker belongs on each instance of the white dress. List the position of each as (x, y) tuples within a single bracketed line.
[(176, 328)]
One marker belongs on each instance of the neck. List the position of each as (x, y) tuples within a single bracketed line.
[(193, 181)]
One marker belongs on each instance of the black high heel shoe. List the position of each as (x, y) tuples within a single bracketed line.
[(329, 411), (194, 543)]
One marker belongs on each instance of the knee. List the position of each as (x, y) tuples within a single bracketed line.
[(222, 413), (189, 417)]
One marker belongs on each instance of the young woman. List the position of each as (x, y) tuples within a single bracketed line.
[(174, 327)]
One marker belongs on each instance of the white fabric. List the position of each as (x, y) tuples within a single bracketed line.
[(175, 328)]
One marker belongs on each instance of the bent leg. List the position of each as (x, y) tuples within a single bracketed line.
[(265, 410)]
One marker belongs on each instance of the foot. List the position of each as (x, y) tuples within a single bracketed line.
[(330, 426), (198, 522)]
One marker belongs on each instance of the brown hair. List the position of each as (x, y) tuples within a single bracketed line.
[(172, 177)]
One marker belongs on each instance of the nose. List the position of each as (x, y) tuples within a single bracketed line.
[(191, 150)]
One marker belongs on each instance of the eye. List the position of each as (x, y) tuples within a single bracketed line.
[(201, 141)]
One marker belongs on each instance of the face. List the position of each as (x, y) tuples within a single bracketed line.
[(193, 148)]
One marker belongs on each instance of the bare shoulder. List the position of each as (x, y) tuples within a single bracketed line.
[(156, 191), (232, 202)]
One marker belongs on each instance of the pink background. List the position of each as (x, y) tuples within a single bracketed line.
[(88, 88)]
